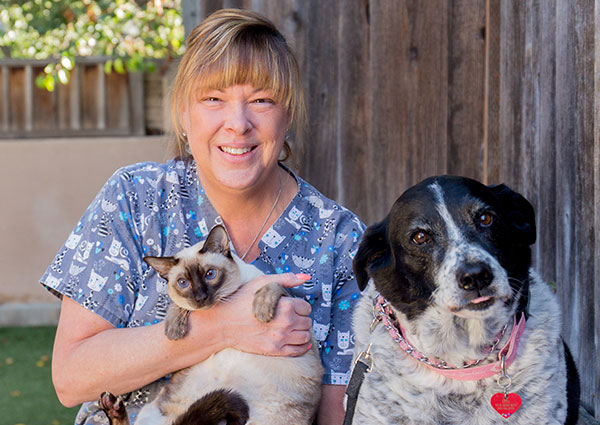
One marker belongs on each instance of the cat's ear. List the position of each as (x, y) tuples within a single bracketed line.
[(217, 241), (162, 265)]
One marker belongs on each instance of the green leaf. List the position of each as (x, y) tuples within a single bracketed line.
[(49, 83), (118, 64)]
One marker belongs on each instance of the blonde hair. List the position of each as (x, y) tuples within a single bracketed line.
[(231, 47)]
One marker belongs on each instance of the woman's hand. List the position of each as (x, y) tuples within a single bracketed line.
[(91, 356), (288, 334)]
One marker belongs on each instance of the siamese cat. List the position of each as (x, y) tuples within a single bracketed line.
[(230, 387)]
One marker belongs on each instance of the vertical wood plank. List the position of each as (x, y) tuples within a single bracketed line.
[(596, 178), (233, 4), (119, 107), (101, 97), (545, 253), (63, 107), (353, 118), (580, 293), (566, 171), (428, 87), (492, 93), (389, 107), (134, 86), (89, 97), (207, 7), (192, 13), (466, 76), (5, 99), (28, 98), (409, 57), (510, 113), (44, 112), (319, 162), (17, 99), (75, 106)]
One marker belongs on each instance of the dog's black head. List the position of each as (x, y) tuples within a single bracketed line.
[(452, 242)]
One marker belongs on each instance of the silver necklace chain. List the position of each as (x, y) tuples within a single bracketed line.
[(266, 219)]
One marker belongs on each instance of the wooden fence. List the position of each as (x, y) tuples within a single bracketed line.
[(93, 103), (499, 90)]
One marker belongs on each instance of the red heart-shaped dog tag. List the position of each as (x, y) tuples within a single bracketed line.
[(506, 406)]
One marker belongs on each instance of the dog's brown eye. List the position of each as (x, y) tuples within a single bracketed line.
[(420, 237), (486, 219)]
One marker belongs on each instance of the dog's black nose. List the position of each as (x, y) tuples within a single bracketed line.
[(474, 276)]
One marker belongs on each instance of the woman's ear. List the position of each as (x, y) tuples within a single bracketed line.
[(373, 247)]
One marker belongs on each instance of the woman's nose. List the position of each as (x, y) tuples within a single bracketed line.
[(237, 119)]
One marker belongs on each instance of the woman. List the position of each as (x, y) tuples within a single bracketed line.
[(236, 95)]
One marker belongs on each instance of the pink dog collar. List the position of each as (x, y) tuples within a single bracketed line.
[(470, 371)]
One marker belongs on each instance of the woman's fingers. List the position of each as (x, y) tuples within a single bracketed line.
[(288, 333), (295, 350), (287, 280)]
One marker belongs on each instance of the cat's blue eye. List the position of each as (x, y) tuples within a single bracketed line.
[(182, 283), (210, 274)]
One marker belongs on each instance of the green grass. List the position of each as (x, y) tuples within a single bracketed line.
[(27, 396)]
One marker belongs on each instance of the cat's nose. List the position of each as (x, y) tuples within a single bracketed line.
[(200, 295)]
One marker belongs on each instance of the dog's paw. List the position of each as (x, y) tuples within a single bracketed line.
[(113, 407), (266, 300)]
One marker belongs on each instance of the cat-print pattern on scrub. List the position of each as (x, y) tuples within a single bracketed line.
[(158, 209)]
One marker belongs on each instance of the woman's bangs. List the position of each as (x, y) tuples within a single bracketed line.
[(245, 66)]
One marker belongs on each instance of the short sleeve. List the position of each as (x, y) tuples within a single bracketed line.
[(99, 264), (338, 348)]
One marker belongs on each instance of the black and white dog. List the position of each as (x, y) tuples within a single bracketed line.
[(454, 325)]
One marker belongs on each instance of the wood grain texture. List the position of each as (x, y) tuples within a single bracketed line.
[(546, 149), (92, 103), (505, 91), (466, 78)]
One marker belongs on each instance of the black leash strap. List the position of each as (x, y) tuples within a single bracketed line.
[(362, 365)]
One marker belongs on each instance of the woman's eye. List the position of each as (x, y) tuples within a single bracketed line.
[(485, 219), (210, 274), (420, 237), (262, 100), (183, 283)]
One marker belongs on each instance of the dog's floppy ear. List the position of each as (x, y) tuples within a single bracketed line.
[(520, 212), (373, 247)]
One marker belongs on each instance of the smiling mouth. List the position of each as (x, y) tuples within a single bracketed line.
[(236, 151)]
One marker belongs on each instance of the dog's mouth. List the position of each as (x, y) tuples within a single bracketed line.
[(480, 303), (477, 304)]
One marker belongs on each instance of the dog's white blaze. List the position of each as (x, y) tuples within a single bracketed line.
[(448, 294), (442, 209)]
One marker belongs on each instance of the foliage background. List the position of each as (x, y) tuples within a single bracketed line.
[(132, 34)]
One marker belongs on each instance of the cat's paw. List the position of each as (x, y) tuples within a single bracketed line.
[(176, 322), (266, 300), (113, 407), (175, 331)]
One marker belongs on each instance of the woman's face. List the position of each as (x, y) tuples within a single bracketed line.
[(235, 135)]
